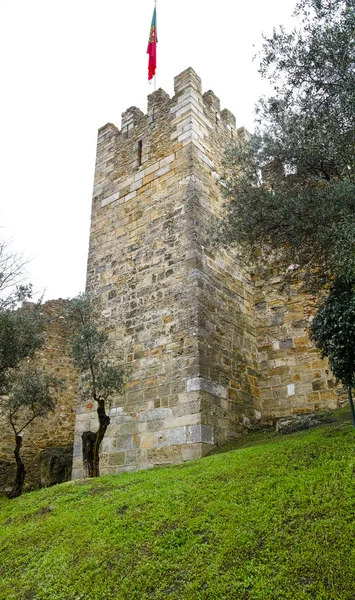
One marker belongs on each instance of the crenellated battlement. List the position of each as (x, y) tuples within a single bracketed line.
[(188, 97), (147, 144)]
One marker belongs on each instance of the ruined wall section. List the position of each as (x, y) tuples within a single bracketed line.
[(293, 377), (53, 435)]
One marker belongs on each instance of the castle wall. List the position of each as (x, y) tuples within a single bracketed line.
[(212, 351), (47, 442), (179, 315), (293, 377)]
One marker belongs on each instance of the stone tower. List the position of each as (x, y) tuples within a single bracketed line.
[(209, 350)]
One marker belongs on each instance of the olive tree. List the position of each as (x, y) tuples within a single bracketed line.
[(101, 375), (31, 394), (26, 392)]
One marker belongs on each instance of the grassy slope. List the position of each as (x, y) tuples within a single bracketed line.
[(270, 521)]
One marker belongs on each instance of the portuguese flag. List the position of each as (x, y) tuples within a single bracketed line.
[(152, 47)]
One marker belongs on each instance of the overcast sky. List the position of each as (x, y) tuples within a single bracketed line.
[(69, 67)]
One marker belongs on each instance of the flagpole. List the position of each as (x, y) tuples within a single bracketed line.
[(155, 75), (152, 49)]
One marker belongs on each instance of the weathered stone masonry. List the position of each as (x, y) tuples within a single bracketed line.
[(179, 315), (207, 353), (47, 442)]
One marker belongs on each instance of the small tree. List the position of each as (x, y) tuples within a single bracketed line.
[(101, 377), (333, 330), (31, 395), (25, 391), (13, 290)]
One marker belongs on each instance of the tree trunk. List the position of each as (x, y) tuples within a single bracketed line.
[(20, 470), (351, 404), (104, 421), (92, 442), (88, 439)]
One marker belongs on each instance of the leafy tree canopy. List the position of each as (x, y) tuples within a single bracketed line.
[(291, 192), (90, 349), (31, 395), (333, 330)]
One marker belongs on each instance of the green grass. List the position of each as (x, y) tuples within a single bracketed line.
[(274, 520)]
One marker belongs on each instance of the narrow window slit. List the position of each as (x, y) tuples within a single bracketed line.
[(140, 144)]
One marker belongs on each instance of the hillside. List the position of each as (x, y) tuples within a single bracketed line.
[(273, 520)]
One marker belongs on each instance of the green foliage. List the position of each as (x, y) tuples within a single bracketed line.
[(312, 70), (333, 330), (90, 350), (274, 521), (25, 391), (31, 395), (304, 221), (21, 335), (308, 230)]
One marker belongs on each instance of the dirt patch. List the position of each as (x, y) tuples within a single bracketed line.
[(44, 511)]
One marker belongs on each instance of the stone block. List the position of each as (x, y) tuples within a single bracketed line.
[(191, 451), (77, 473), (183, 420), (200, 383), (152, 168), (129, 196), (108, 444), (156, 414), (147, 439), (137, 458), (167, 160), (187, 79), (162, 171), (170, 437), (300, 422), (200, 433), (116, 458), (135, 186), (124, 442), (164, 456), (128, 428)]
